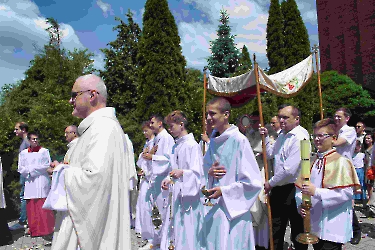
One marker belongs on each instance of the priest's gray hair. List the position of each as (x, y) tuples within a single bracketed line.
[(100, 85), (101, 88)]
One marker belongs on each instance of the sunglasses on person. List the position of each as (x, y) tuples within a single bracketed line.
[(74, 95)]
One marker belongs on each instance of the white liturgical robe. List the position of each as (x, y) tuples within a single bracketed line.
[(97, 186), (160, 168), (228, 224), (331, 212), (33, 166), (143, 221), (186, 205)]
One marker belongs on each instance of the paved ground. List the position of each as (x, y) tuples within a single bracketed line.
[(367, 242)]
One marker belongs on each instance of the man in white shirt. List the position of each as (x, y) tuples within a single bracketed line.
[(345, 145), (287, 159)]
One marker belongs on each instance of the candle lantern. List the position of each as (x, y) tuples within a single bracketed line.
[(307, 237)]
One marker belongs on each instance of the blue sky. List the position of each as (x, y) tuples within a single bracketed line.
[(88, 24)]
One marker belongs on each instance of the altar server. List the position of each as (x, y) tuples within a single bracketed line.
[(232, 175), (333, 178), (143, 221), (160, 168), (32, 165), (184, 218)]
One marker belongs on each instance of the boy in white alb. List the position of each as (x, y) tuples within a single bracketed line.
[(331, 188), (163, 143), (143, 221), (184, 218), (233, 178)]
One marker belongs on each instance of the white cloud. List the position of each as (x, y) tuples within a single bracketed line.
[(22, 31), (105, 7)]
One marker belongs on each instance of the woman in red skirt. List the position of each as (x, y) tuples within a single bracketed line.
[(33, 163)]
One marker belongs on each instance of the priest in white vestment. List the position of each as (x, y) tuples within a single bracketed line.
[(184, 218), (97, 182), (233, 176), (160, 168)]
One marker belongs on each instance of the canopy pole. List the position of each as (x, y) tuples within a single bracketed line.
[(316, 50), (204, 108), (264, 154)]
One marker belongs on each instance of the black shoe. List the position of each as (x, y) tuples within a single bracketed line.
[(48, 237), (355, 240)]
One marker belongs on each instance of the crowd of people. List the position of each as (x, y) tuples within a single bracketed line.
[(207, 195)]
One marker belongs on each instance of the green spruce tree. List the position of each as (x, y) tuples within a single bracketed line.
[(225, 57), (245, 63), (161, 63), (296, 38), (275, 38), (120, 74)]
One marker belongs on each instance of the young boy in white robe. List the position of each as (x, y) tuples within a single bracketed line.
[(332, 180), (184, 217), (233, 179), (158, 158), (143, 221)]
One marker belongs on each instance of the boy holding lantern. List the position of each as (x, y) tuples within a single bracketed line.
[(331, 189)]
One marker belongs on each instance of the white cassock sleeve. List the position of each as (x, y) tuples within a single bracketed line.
[(160, 160), (328, 197), (239, 196), (191, 179), (333, 197)]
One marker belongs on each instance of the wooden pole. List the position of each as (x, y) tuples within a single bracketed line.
[(260, 108), (316, 49), (204, 108)]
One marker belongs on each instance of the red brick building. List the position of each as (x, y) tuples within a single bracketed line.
[(347, 38)]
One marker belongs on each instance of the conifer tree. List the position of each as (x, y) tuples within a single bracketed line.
[(245, 63), (41, 100), (225, 57), (120, 74), (275, 38), (161, 63), (296, 39)]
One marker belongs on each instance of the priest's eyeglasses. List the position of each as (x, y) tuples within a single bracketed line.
[(74, 95), (321, 136)]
